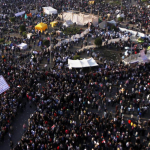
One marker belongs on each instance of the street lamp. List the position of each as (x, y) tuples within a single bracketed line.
[(51, 45)]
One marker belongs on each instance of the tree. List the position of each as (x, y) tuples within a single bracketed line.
[(24, 34), (22, 28), (75, 57), (120, 19), (46, 43), (98, 42), (2, 40), (12, 19)]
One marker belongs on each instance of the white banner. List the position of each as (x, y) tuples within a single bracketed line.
[(3, 85)]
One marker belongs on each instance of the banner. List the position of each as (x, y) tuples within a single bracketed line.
[(3, 85), (143, 56)]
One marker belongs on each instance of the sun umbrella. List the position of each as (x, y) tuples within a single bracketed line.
[(67, 131), (129, 121)]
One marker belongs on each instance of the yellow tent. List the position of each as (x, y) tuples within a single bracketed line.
[(41, 26), (91, 2), (54, 23)]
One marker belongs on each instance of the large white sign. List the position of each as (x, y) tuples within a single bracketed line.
[(3, 85)]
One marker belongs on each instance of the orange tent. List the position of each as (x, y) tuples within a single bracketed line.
[(29, 15)]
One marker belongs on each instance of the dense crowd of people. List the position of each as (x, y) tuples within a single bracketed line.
[(100, 108)]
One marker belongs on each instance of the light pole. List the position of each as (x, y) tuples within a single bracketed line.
[(50, 50)]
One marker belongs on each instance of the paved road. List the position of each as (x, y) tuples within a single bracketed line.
[(18, 122)]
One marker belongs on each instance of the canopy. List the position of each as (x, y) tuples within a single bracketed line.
[(22, 46), (49, 10), (29, 35), (80, 18), (20, 13), (29, 15), (112, 22), (41, 26), (91, 2), (120, 15), (3, 85), (117, 11), (54, 23), (82, 63), (133, 32), (108, 15), (25, 17)]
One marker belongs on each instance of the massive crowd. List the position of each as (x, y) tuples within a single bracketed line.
[(75, 109)]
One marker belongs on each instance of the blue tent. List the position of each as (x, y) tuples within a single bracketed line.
[(25, 17)]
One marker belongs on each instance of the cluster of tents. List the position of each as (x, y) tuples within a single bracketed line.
[(73, 38)]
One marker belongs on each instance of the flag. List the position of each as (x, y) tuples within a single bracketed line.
[(40, 43), (38, 15), (53, 127), (3, 85)]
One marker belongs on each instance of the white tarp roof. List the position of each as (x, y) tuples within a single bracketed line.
[(140, 34), (80, 19), (135, 58), (49, 10), (29, 35), (117, 11), (120, 15), (112, 22), (82, 63), (23, 46), (3, 85), (19, 13)]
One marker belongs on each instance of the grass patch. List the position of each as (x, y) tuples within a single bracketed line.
[(115, 2), (72, 30), (108, 54)]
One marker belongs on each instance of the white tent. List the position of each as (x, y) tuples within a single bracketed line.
[(117, 11), (29, 35), (22, 46), (20, 13), (120, 15), (67, 23), (134, 32), (49, 10), (112, 22), (80, 19), (3, 85), (82, 63)]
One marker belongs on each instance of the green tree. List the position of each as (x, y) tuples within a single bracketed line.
[(22, 28), (46, 43), (12, 19), (24, 34), (2, 40), (75, 57), (98, 42), (120, 19)]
